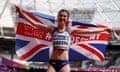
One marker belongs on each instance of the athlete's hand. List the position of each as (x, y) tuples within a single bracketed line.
[(18, 9), (110, 30)]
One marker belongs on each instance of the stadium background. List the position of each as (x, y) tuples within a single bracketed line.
[(93, 11)]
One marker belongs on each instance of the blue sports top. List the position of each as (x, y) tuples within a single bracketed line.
[(61, 40)]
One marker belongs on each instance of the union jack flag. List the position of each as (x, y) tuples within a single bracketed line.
[(34, 44)]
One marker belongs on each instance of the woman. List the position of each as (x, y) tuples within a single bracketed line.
[(59, 60)]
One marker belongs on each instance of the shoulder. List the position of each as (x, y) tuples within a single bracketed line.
[(55, 28)]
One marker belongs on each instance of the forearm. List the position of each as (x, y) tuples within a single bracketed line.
[(33, 22), (99, 30), (28, 18)]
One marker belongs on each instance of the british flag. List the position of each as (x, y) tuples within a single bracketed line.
[(34, 44)]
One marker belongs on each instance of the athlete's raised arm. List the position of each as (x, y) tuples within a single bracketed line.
[(79, 30), (35, 23)]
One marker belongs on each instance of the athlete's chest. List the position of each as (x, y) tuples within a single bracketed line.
[(61, 35)]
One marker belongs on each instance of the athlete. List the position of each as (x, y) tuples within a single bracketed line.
[(59, 60)]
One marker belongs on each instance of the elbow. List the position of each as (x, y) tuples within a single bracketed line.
[(36, 24), (92, 31)]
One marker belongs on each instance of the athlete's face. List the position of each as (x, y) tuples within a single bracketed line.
[(62, 19)]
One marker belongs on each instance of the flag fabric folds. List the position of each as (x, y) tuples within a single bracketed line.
[(34, 44)]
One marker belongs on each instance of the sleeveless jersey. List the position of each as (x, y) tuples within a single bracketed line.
[(61, 40)]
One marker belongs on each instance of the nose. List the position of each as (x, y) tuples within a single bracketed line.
[(62, 17)]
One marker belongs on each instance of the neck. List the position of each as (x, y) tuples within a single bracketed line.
[(62, 29)]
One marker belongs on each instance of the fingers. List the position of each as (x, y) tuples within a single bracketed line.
[(18, 9), (110, 30)]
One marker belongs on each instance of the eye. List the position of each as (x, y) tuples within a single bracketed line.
[(65, 16)]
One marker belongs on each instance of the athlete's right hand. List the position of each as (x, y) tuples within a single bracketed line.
[(18, 9)]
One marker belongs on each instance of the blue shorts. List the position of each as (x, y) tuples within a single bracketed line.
[(58, 64)]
